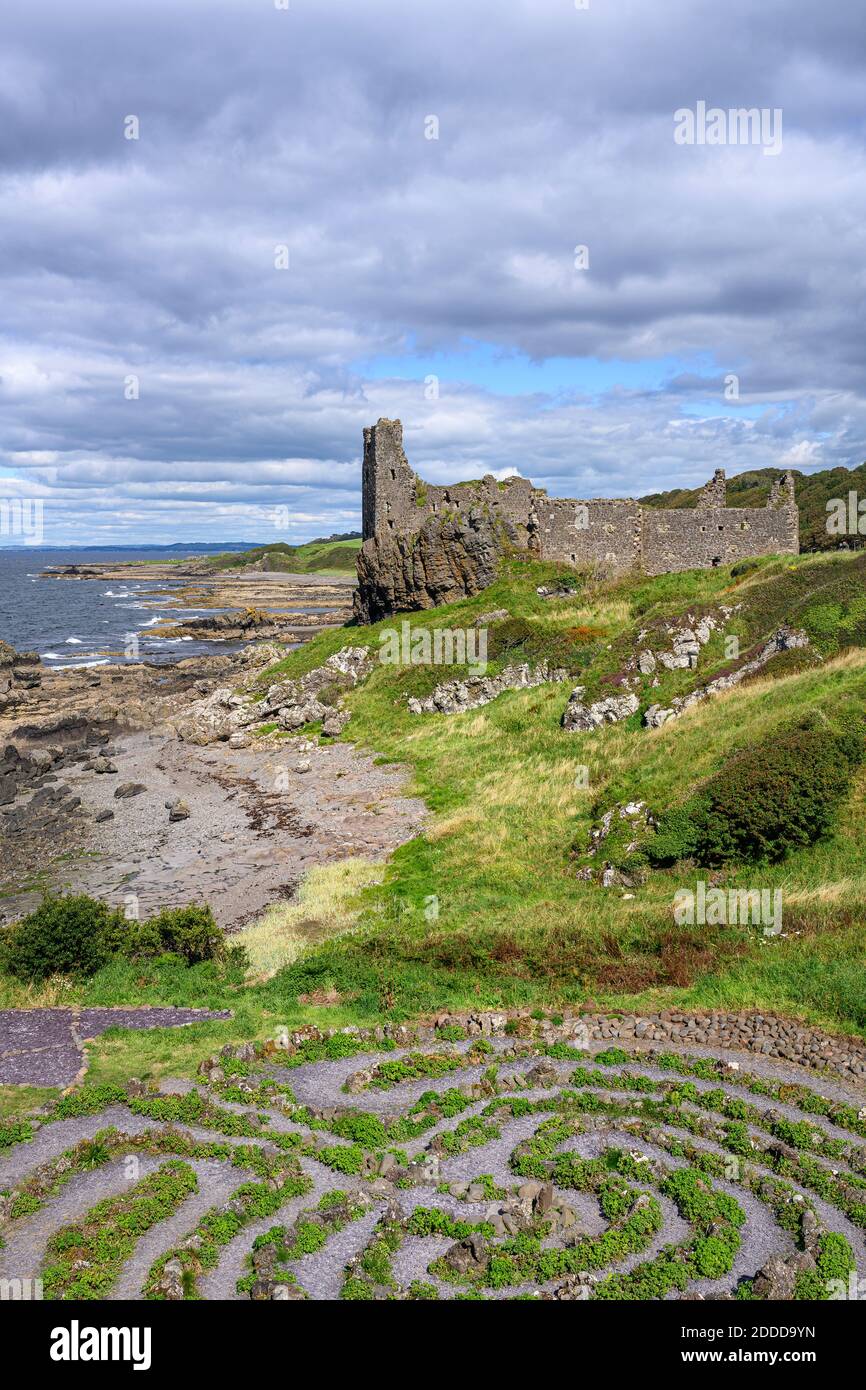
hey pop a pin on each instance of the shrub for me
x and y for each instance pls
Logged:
(78, 935)
(769, 801)
(71, 935)
(777, 797)
(678, 833)
(190, 932)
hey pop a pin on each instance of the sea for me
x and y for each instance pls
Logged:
(91, 622)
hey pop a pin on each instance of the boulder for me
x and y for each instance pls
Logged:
(218, 716)
(581, 718)
(775, 1281)
(127, 790)
(469, 1256)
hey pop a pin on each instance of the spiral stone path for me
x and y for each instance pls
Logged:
(473, 1158)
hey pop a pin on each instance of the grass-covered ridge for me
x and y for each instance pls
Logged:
(485, 908)
(331, 556)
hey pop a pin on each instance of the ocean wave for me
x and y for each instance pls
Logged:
(82, 665)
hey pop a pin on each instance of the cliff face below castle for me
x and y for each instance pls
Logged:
(443, 561)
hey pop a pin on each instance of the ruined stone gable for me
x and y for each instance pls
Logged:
(619, 534)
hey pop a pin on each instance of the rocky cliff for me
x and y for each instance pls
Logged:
(447, 559)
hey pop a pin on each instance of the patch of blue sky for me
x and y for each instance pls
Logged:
(710, 409)
(511, 372)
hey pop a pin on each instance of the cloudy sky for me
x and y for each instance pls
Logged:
(196, 324)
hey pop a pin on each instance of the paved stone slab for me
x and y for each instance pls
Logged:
(92, 1022)
(42, 1047)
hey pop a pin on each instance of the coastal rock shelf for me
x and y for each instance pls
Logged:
(471, 1157)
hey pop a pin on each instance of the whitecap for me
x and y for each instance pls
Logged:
(82, 665)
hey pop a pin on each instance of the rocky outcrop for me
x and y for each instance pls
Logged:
(20, 768)
(216, 717)
(316, 695)
(784, 640)
(19, 672)
(291, 704)
(447, 559)
(581, 718)
(453, 697)
(249, 624)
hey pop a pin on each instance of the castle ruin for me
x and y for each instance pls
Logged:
(618, 534)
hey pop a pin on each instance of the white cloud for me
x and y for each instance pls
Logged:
(260, 127)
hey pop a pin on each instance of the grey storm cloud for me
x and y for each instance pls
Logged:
(262, 127)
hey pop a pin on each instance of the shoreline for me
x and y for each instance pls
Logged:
(236, 828)
(250, 604)
(100, 794)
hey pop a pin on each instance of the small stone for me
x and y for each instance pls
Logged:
(129, 789)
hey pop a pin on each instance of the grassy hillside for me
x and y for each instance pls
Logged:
(313, 557)
(514, 922)
(486, 907)
(813, 492)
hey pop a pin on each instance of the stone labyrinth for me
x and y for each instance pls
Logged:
(484, 1159)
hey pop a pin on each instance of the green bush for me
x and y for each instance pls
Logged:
(678, 833)
(78, 935)
(190, 932)
(71, 935)
(768, 802)
(778, 797)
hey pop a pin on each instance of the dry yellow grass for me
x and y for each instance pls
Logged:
(327, 906)
(57, 992)
(841, 891)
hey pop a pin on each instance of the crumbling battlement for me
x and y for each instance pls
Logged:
(617, 534)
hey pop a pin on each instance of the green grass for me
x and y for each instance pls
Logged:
(509, 822)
